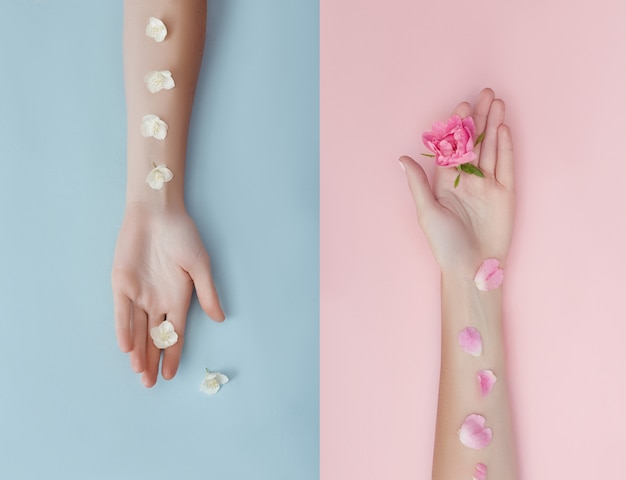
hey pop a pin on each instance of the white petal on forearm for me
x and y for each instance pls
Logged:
(158, 176)
(156, 29)
(153, 126)
(159, 80)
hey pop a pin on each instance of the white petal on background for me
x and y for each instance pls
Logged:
(212, 382)
(153, 126)
(156, 29)
(159, 80)
(210, 387)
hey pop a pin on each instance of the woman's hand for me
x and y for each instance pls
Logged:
(158, 259)
(474, 221)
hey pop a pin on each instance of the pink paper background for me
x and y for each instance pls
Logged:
(388, 69)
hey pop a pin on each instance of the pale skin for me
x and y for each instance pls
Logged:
(159, 257)
(464, 226)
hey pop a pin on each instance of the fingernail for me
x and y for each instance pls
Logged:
(402, 166)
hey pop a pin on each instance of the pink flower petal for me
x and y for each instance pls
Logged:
(480, 473)
(489, 275)
(469, 125)
(470, 341)
(452, 142)
(486, 380)
(473, 433)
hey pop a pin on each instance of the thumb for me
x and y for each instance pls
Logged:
(419, 186)
(200, 274)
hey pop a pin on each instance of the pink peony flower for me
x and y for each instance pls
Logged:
(486, 381)
(473, 433)
(480, 473)
(489, 275)
(452, 142)
(470, 341)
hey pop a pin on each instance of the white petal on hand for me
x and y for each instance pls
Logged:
(164, 335)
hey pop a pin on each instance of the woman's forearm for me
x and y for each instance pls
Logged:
(460, 396)
(181, 54)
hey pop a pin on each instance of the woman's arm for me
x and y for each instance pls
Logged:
(179, 53)
(465, 226)
(159, 256)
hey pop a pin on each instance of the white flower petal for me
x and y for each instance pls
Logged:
(156, 29)
(212, 382)
(153, 126)
(155, 180)
(168, 80)
(158, 176)
(164, 335)
(159, 80)
(210, 386)
(166, 172)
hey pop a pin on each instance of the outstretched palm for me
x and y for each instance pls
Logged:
(467, 224)
(158, 259)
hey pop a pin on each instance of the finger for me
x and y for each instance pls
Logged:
(480, 114)
(488, 151)
(200, 274)
(153, 354)
(463, 109)
(419, 186)
(140, 329)
(171, 355)
(504, 165)
(122, 312)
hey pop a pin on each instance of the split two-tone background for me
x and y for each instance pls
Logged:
(331, 295)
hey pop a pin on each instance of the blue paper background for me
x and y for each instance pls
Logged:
(71, 406)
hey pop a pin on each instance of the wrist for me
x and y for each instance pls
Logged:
(140, 165)
(169, 197)
(140, 209)
(464, 304)
(467, 267)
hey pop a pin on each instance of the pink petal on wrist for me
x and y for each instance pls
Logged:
(480, 473)
(489, 275)
(486, 381)
(473, 433)
(470, 341)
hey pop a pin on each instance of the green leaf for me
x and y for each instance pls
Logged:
(456, 180)
(472, 170)
(428, 155)
(479, 139)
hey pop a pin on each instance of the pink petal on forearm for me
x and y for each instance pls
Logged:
(489, 275)
(486, 380)
(473, 433)
(471, 341)
(480, 473)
